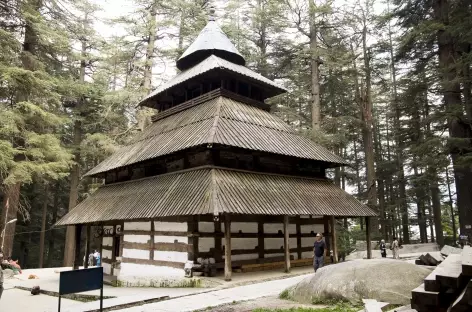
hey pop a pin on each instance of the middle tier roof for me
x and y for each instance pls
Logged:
(222, 121)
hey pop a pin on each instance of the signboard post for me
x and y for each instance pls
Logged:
(76, 281)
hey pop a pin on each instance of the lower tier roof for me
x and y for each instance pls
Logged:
(215, 191)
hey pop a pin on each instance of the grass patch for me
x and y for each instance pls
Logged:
(340, 307)
(391, 306)
(285, 295)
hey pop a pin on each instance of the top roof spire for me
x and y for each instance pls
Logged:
(211, 16)
(211, 40)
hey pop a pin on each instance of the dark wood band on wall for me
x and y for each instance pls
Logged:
(177, 265)
(157, 233)
(257, 235)
(110, 248)
(182, 247)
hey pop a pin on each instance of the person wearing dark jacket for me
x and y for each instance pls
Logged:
(383, 249)
(319, 251)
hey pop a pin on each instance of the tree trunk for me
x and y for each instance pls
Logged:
(420, 198)
(458, 129)
(11, 200)
(69, 245)
(144, 114)
(380, 181)
(467, 82)
(262, 43)
(43, 226)
(431, 228)
(451, 204)
(315, 70)
(367, 117)
(401, 200)
(52, 235)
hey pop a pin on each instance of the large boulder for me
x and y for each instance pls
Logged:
(381, 279)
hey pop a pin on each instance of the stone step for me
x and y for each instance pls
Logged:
(464, 302)
(467, 261)
(450, 276)
(449, 250)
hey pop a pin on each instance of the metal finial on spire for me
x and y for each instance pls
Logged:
(212, 11)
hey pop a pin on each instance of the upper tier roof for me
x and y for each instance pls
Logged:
(213, 62)
(211, 40)
(219, 121)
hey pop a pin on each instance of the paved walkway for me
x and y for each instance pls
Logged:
(21, 300)
(219, 297)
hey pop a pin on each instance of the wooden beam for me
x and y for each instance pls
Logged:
(227, 248)
(260, 239)
(286, 245)
(368, 239)
(151, 242)
(87, 245)
(327, 232)
(334, 238)
(218, 255)
(256, 235)
(172, 264)
(78, 232)
(193, 228)
(113, 247)
(299, 237)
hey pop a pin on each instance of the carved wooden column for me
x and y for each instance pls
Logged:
(368, 240)
(228, 269)
(77, 260)
(87, 245)
(286, 244)
(334, 239)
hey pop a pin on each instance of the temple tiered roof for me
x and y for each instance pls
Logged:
(215, 191)
(219, 121)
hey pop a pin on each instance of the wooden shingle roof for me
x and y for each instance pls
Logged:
(214, 62)
(215, 191)
(211, 41)
(219, 121)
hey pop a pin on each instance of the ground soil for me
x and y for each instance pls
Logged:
(264, 302)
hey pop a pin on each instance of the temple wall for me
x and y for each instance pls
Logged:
(154, 253)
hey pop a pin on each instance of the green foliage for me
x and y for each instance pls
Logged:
(285, 295)
(337, 307)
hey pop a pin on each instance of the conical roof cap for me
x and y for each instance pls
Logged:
(211, 40)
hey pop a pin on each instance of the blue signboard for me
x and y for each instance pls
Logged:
(76, 281)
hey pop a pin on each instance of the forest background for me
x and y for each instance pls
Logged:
(386, 84)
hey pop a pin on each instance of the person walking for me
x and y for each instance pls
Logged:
(90, 260)
(383, 249)
(319, 250)
(395, 248)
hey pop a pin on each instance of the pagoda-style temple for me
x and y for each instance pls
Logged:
(215, 175)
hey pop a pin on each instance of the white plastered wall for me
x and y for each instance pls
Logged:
(133, 274)
(107, 254)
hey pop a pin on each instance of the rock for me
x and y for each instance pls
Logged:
(449, 250)
(380, 279)
(423, 248)
(35, 290)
